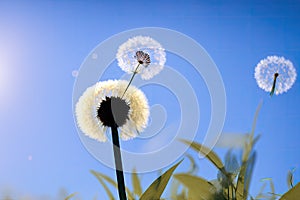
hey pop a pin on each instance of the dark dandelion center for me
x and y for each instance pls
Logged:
(113, 112)
(142, 58)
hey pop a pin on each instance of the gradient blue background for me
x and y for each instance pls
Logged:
(42, 42)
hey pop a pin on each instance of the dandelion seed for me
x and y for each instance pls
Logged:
(101, 107)
(275, 74)
(135, 54)
(75, 73)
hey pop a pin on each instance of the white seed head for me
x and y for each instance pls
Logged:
(126, 56)
(265, 70)
(89, 102)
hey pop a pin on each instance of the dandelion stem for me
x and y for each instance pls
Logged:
(131, 79)
(274, 84)
(118, 163)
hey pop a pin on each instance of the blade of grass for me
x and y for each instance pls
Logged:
(193, 167)
(290, 178)
(260, 193)
(108, 192)
(292, 194)
(156, 189)
(174, 189)
(240, 188)
(249, 172)
(255, 118)
(136, 184)
(198, 188)
(210, 155)
(111, 181)
(70, 196)
(272, 190)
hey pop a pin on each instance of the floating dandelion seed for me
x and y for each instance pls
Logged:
(101, 107)
(143, 55)
(275, 74)
(75, 73)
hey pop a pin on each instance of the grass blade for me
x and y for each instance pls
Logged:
(108, 192)
(240, 188)
(260, 194)
(249, 172)
(198, 188)
(193, 167)
(110, 181)
(70, 196)
(137, 188)
(156, 189)
(210, 155)
(292, 194)
(255, 119)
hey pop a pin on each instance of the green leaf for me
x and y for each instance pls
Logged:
(70, 196)
(210, 155)
(100, 179)
(100, 176)
(193, 168)
(199, 188)
(260, 194)
(241, 187)
(255, 119)
(290, 178)
(137, 188)
(249, 172)
(156, 189)
(174, 189)
(274, 195)
(292, 194)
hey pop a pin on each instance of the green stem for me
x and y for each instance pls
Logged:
(118, 163)
(131, 79)
(228, 193)
(273, 86)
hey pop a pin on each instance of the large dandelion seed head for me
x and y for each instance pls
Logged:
(129, 52)
(101, 107)
(273, 66)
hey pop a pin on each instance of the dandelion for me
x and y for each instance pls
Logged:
(93, 120)
(143, 55)
(275, 74)
(135, 54)
(101, 107)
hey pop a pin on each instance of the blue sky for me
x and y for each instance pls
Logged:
(42, 42)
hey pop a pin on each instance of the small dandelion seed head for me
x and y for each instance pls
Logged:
(275, 67)
(101, 107)
(141, 50)
(142, 58)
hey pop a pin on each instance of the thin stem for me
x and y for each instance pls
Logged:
(228, 193)
(274, 84)
(118, 163)
(131, 79)
(232, 195)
